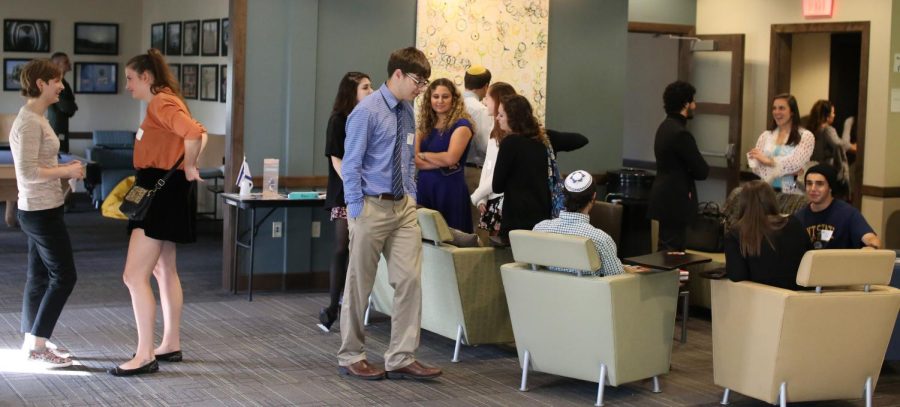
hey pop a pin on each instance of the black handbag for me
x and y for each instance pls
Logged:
(707, 232)
(137, 200)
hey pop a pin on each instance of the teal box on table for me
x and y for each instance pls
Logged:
(303, 195)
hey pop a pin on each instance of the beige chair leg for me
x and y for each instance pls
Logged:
(368, 309)
(600, 385)
(524, 385)
(656, 385)
(868, 392)
(459, 332)
(782, 395)
(727, 393)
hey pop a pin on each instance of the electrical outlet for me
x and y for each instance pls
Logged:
(316, 229)
(276, 229)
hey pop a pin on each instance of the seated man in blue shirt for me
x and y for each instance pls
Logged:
(832, 223)
(580, 193)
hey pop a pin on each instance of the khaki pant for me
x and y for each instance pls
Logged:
(390, 228)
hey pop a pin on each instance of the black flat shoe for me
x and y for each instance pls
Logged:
(326, 319)
(168, 357)
(151, 367)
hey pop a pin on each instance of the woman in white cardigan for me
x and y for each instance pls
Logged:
(490, 204)
(783, 150)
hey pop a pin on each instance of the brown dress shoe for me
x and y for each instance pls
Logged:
(414, 370)
(362, 370)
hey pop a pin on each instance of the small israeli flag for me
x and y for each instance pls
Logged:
(244, 173)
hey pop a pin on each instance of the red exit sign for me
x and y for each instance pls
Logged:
(818, 8)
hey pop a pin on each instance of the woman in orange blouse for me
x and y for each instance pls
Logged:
(167, 134)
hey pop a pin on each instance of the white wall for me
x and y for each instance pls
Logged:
(651, 65)
(117, 111)
(663, 11)
(810, 69)
(212, 114)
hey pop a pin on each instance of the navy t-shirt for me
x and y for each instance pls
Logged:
(839, 226)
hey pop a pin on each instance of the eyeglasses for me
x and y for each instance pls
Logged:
(419, 82)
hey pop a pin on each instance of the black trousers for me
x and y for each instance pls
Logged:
(339, 261)
(51, 270)
(672, 238)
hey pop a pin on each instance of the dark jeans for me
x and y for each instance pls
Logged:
(672, 238)
(51, 270)
(339, 261)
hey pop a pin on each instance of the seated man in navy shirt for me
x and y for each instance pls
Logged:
(831, 223)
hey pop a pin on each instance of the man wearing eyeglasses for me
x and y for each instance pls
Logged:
(380, 191)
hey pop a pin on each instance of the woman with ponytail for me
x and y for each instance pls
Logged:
(167, 138)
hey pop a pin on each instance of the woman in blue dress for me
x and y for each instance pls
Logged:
(442, 143)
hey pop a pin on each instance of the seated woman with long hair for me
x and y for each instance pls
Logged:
(763, 245)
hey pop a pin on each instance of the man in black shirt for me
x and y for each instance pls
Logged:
(831, 223)
(58, 114)
(673, 199)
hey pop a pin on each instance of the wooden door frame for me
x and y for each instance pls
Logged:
(780, 77)
(234, 127)
(735, 42)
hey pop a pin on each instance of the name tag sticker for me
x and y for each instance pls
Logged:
(140, 134)
(826, 235)
(410, 137)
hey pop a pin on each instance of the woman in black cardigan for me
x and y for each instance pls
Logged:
(764, 246)
(521, 171)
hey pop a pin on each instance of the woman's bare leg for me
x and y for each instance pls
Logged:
(171, 297)
(143, 254)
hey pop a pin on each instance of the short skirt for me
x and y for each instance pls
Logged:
(173, 210)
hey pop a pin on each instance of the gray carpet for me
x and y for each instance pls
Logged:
(270, 353)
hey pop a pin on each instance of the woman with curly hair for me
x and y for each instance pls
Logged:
(442, 143)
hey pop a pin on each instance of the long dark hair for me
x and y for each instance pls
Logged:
(345, 100)
(818, 115)
(520, 118)
(794, 137)
(154, 62)
(758, 217)
(497, 91)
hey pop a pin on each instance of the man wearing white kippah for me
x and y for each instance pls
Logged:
(580, 193)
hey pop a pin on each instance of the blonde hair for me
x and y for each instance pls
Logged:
(428, 119)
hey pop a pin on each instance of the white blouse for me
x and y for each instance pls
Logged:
(484, 190)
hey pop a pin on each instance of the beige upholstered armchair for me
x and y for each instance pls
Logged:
(462, 293)
(612, 330)
(779, 345)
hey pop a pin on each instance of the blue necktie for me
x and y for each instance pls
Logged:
(397, 173)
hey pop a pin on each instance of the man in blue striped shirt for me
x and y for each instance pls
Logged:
(380, 190)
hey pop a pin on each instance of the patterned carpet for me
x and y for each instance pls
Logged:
(270, 353)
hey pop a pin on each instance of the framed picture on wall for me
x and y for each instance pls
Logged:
(226, 36)
(189, 80)
(175, 69)
(209, 82)
(12, 68)
(191, 42)
(173, 38)
(26, 35)
(96, 77)
(97, 38)
(158, 37)
(223, 82)
(210, 38)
